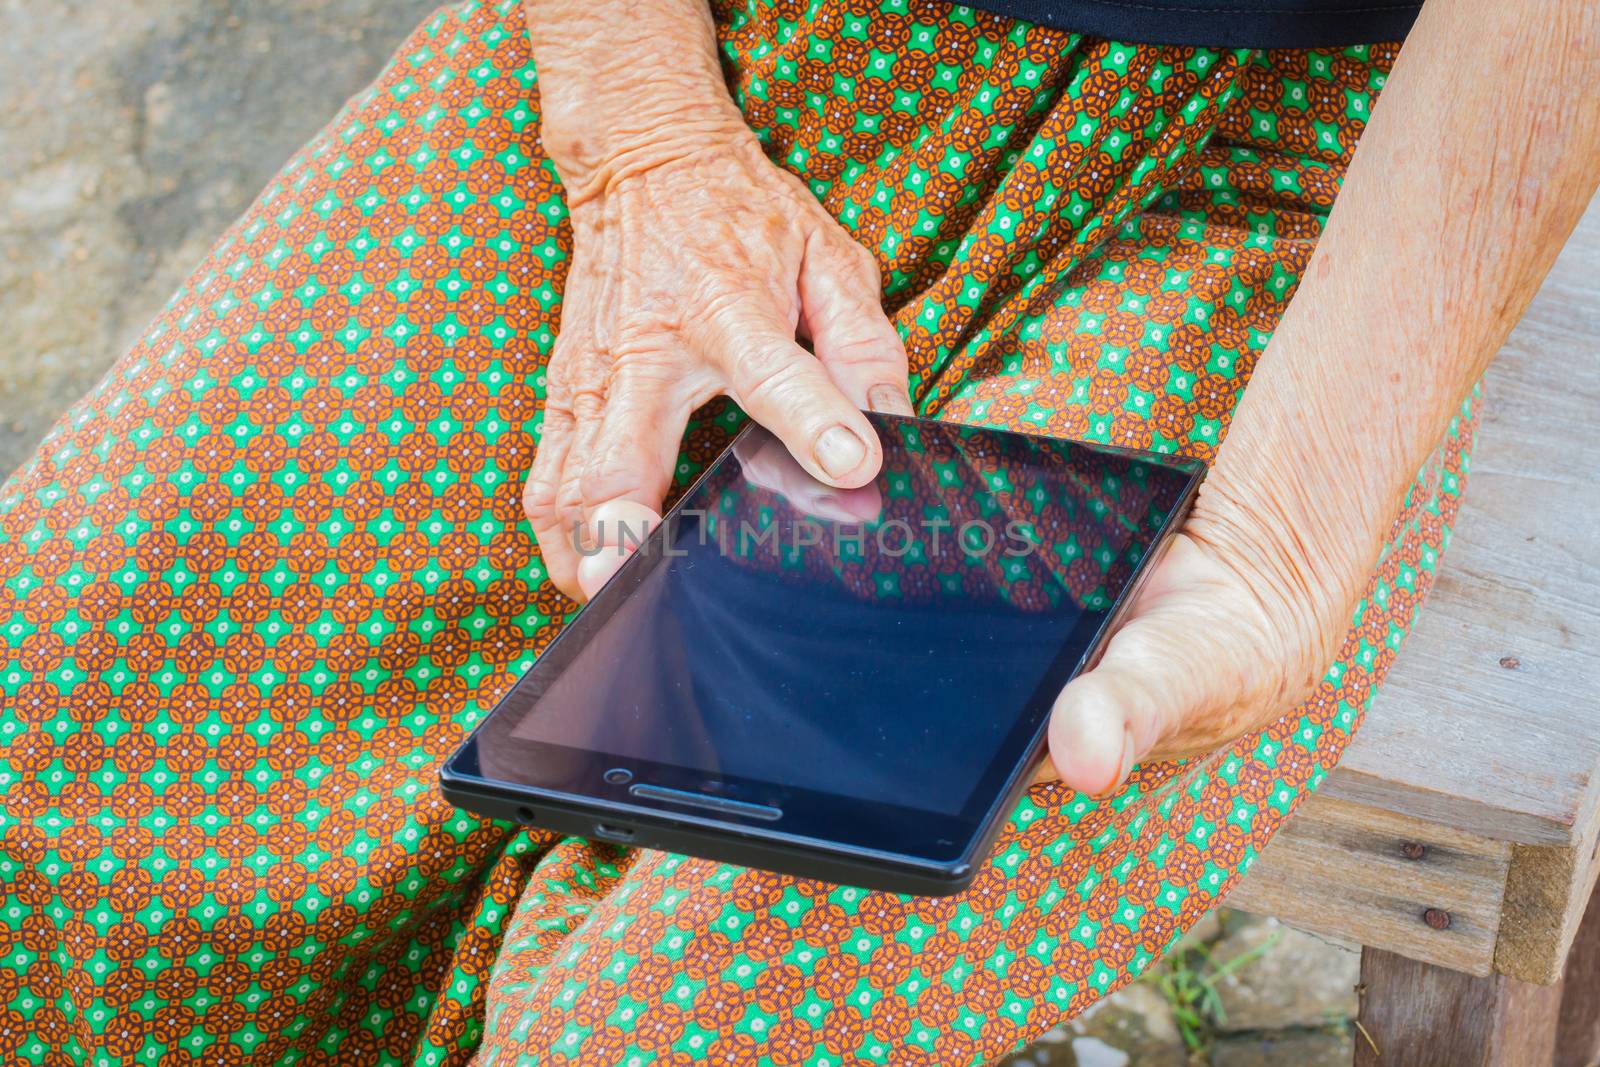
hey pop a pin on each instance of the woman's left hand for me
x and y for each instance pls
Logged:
(1419, 275)
(1235, 626)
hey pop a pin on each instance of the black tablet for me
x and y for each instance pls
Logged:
(850, 685)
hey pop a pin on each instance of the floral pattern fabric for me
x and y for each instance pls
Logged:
(257, 585)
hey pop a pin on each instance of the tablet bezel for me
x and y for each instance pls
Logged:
(820, 834)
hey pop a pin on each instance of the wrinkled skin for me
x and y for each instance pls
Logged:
(1210, 641)
(694, 278)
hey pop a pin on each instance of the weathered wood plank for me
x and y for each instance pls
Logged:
(1547, 894)
(1398, 883)
(1418, 1015)
(1488, 720)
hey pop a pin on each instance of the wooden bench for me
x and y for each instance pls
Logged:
(1457, 840)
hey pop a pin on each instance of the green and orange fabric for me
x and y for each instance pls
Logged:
(260, 582)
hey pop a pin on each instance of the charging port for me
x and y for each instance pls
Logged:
(607, 832)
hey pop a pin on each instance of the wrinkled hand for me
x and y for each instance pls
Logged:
(1234, 627)
(693, 277)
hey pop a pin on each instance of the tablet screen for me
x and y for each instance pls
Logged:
(890, 646)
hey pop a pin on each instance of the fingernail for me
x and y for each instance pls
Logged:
(1128, 755)
(839, 451)
(890, 398)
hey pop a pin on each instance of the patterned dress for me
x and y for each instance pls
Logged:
(258, 584)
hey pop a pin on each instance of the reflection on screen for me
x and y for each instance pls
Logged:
(879, 643)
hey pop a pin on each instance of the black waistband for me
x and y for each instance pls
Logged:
(1221, 23)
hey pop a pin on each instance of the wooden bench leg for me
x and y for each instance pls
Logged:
(1578, 1036)
(1418, 1015)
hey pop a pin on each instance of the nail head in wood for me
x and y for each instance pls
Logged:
(1413, 850)
(1510, 663)
(1437, 918)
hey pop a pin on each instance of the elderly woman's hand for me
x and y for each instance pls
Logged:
(697, 263)
(1235, 625)
(1418, 277)
(691, 277)
(698, 267)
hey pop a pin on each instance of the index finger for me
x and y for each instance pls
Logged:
(784, 388)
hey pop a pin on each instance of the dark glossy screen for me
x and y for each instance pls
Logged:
(895, 645)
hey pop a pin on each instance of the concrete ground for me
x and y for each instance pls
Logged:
(131, 134)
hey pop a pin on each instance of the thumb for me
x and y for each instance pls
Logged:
(1171, 673)
(627, 471)
(620, 527)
